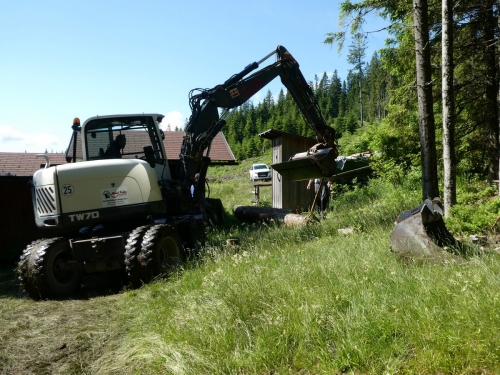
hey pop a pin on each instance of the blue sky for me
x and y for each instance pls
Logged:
(66, 59)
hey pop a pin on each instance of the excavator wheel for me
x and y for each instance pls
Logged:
(160, 252)
(132, 250)
(215, 213)
(192, 234)
(47, 270)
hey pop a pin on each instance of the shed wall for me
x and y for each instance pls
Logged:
(17, 223)
(290, 194)
(277, 183)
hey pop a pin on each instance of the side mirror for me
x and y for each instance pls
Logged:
(150, 155)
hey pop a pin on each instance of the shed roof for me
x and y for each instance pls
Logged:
(273, 134)
(219, 151)
(26, 164)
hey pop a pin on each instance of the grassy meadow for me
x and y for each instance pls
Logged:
(284, 301)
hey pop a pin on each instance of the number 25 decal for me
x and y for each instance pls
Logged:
(67, 189)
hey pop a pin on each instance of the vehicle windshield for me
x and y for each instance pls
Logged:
(122, 137)
(260, 166)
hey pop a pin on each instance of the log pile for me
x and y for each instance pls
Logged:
(295, 220)
(251, 214)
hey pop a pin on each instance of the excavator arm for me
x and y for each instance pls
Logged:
(205, 121)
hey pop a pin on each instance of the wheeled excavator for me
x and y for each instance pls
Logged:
(126, 206)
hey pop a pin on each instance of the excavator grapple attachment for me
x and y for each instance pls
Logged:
(421, 235)
(319, 163)
(314, 163)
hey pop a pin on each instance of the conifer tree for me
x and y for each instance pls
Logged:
(356, 57)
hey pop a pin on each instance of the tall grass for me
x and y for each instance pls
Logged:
(233, 185)
(313, 301)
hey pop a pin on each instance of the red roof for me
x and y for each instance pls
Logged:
(220, 150)
(25, 164)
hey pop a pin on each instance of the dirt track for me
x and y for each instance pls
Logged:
(57, 337)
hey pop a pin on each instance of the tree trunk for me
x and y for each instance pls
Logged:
(256, 214)
(498, 100)
(491, 89)
(450, 178)
(252, 214)
(360, 98)
(430, 187)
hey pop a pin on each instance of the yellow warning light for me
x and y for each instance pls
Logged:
(76, 120)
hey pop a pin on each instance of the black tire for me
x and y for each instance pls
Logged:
(46, 269)
(24, 268)
(198, 235)
(215, 213)
(132, 251)
(160, 252)
(192, 234)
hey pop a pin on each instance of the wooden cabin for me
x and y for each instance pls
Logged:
(292, 195)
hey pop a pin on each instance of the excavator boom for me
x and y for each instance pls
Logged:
(205, 121)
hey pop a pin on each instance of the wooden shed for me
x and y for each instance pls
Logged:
(289, 194)
(17, 224)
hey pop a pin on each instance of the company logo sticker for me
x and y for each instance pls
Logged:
(114, 197)
(234, 93)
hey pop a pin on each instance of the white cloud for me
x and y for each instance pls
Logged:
(174, 119)
(12, 140)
